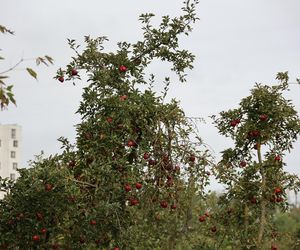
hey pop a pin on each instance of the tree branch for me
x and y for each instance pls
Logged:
(13, 67)
(263, 202)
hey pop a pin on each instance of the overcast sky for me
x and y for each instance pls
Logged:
(236, 43)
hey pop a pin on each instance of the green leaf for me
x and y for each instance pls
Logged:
(49, 59)
(44, 60)
(32, 72)
(11, 98)
(9, 88)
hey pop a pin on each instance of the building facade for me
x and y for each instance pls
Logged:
(10, 151)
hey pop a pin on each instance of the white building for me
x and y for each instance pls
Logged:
(10, 151)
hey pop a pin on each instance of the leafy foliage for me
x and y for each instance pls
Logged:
(264, 126)
(136, 175)
(6, 93)
(132, 177)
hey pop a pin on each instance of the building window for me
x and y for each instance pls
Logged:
(13, 133)
(12, 177)
(15, 143)
(15, 165)
(12, 154)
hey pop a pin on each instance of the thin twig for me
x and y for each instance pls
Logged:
(83, 183)
(13, 67)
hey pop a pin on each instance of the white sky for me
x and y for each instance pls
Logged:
(236, 43)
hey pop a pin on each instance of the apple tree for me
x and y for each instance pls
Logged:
(263, 128)
(137, 171)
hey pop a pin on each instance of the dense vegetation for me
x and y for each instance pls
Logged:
(136, 175)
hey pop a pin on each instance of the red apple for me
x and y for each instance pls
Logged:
(146, 156)
(243, 164)
(253, 200)
(93, 222)
(123, 97)
(173, 206)
(74, 72)
(235, 122)
(39, 216)
(87, 136)
(274, 247)
(61, 79)
(277, 158)
(263, 117)
(192, 158)
(122, 68)
(72, 164)
(277, 190)
(109, 119)
(163, 204)
(202, 218)
(134, 202)
(152, 162)
(138, 185)
(165, 158)
(170, 182)
(279, 199)
(168, 166)
(43, 230)
(127, 188)
(55, 246)
(116, 248)
(48, 187)
(254, 133)
(71, 198)
(36, 238)
(131, 143)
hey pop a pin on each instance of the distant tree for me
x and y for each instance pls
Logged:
(288, 226)
(263, 127)
(6, 93)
